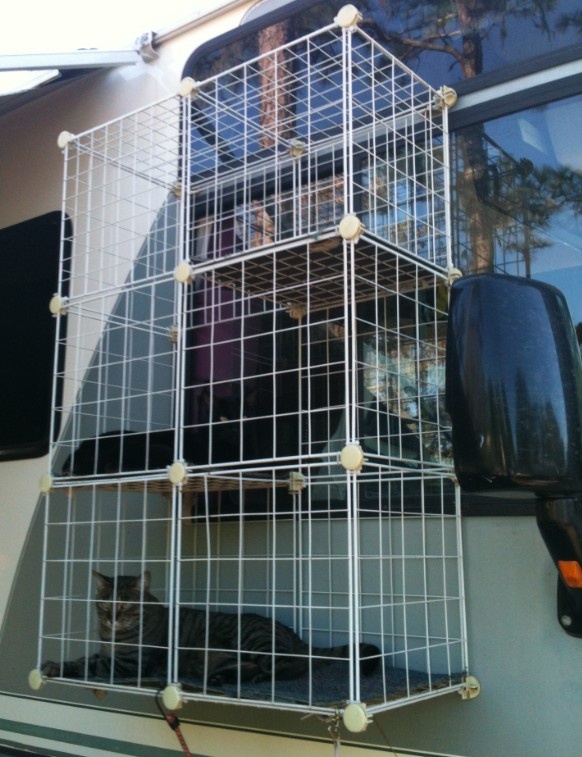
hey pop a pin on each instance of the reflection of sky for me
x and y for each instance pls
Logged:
(569, 282)
(515, 45)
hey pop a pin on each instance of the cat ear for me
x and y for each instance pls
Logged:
(101, 581)
(145, 580)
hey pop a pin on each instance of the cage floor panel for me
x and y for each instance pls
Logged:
(326, 687)
(195, 484)
(329, 688)
(309, 276)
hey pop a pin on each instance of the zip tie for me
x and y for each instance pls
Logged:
(333, 728)
(334, 734)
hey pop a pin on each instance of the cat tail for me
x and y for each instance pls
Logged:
(369, 655)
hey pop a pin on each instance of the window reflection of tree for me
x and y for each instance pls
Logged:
(504, 197)
(458, 30)
(520, 207)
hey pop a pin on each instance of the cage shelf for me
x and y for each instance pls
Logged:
(309, 274)
(200, 482)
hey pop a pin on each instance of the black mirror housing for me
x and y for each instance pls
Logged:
(514, 388)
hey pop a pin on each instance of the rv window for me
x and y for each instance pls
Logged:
(440, 43)
(29, 258)
(520, 212)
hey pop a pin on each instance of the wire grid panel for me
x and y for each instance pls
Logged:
(117, 178)
(241, 576)
(284, 145)
(108, 512)
(118, 330)
(276, 340)
(302, 343)
(113, 532)
(207, 416)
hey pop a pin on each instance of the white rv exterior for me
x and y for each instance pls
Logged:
(527, 668)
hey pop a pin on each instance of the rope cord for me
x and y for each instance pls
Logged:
(174, 723)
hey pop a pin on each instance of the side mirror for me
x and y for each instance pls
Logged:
(514, 388)
(560, 524)
(514, 394)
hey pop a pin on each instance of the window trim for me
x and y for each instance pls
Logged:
(528, 67)
(493, 107)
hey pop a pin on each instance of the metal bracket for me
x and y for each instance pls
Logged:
(145, 45)
(356, 718)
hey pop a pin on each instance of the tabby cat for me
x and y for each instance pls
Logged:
(133, 627)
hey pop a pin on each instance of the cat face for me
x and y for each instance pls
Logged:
(120, 603)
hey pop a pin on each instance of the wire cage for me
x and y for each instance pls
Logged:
(250, 369)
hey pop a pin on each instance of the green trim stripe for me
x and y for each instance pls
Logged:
(60, 737)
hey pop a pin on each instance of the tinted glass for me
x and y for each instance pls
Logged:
(518, 181)
(443, 42)
(29, 260)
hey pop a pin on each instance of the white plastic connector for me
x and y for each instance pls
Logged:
(454, 274)
(352, 458)
(296, 482)
(172, 697)
(351, 228)
(45, 483)
(184, 273)
(471, 688)
(348, 16)
(58, 305)
(36, 680)
(187, 87)
(296, 148)
(177, 472)
(445, 97)
(64, 138)
(356, 718)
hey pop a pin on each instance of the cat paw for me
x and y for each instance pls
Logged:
(50, 669)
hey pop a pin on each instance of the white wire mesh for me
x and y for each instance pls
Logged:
(286, 167)
(206, 419)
